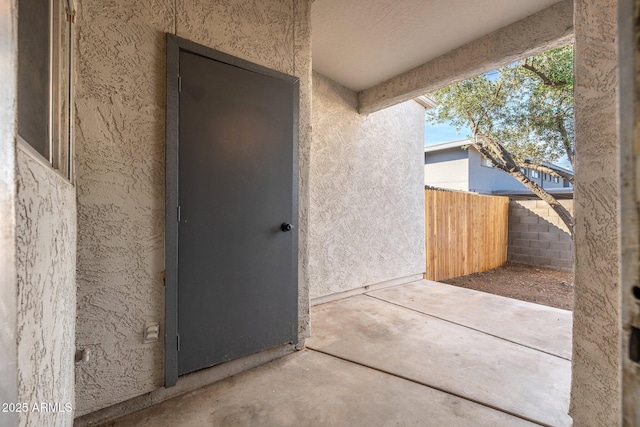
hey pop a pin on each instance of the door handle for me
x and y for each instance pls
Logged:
(286, 227)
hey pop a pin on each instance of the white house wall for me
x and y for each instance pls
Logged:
(367, 194)
(46, 249)
(462, 169)
(447, 169)
(483, 179)
(120, 107)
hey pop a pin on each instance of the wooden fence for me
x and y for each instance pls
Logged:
(465, 233)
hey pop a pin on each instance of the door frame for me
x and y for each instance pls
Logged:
(174, 46)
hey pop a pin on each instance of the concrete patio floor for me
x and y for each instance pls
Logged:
(423, 354)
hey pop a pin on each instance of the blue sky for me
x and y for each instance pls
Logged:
(444, 132)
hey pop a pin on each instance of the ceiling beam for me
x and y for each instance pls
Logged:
(549, 28)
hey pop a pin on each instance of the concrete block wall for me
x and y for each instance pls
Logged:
(537, 235)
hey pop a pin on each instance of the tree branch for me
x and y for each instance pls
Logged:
(546, 169)
(546, 80)
(500, 152)
(562, 212)
(507, 164)
(565, 139)
(486, 153)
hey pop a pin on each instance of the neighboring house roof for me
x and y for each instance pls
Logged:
(462, 142)
(446, 145)
(426, 102)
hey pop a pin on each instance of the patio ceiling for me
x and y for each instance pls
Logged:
(360, 43)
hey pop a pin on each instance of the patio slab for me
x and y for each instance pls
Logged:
(452, 358)
(312, 389)
(537, 326)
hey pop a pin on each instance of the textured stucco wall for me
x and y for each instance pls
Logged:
(46, 249)
(629, 135)
(367, 196)
(595, 395)
(120, 174)
(120, 95)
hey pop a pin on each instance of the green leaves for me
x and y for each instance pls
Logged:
(528, 108)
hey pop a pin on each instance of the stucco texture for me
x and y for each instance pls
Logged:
(120, 96)
(46, 249)
(367, 192)
(595, 396)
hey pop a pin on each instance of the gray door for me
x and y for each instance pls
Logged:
(237, 157)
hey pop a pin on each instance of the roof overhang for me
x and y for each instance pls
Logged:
(393, 51)
(447, 145)
(426, 102)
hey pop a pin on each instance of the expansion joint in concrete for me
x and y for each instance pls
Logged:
(468, 327)
(424, 384)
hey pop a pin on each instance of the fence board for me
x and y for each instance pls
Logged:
(465, 233)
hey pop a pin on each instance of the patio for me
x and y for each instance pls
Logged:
(423, 353)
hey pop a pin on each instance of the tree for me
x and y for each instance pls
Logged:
(519, 119)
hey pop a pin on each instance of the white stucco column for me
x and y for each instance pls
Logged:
(595, 394)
